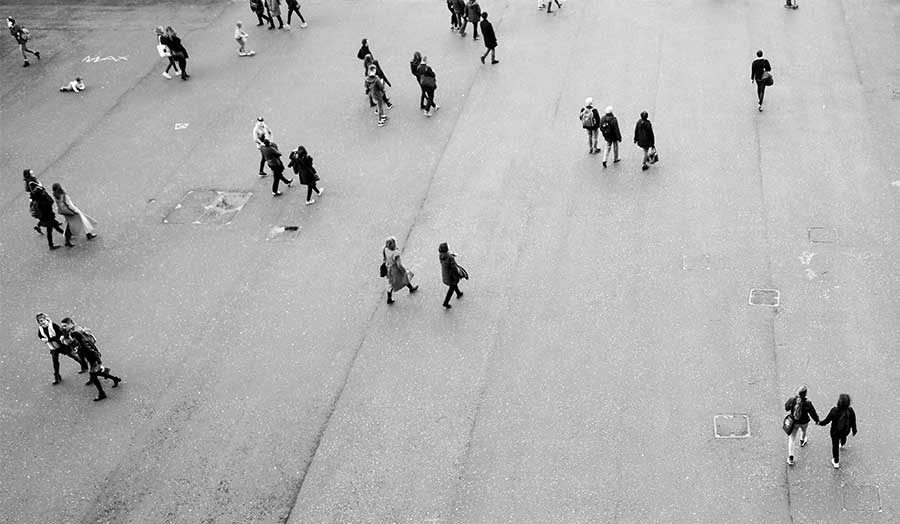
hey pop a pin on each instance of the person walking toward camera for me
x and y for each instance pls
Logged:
(261, 131)
(397, 276)
(179, 53)
(83, 340)
(759, 73)
(450, 273)
(590, 121)
(643, 137)
(377, 94)
(490, 39)
(274, 8)
(473, 15)
(801, 410)
(609, 128)
(843, 420)
(50, 333)
(164, 51)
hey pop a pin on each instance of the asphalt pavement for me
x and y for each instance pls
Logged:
(605, 364)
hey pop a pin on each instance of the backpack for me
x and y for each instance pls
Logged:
(587, 118)
(605, 128)
(797, 412)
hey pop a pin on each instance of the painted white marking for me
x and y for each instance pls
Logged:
(810, 274)
(181, 125)
(806, 258)
(109, 58)
(896, 183)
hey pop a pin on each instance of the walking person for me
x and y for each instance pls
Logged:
(454, 19)
(450, 273)
(259, 9)
(50, 333)
(377, 95)
(490, 39)
(261, 131)
(370, 61)
(77, 223)
(274, 8)
(428, 80)
(550, 4)
(609, 128)
(473, 15)
(45, 215)
(363, 53)
(843, 420)
(397, 276)
(272, 155)
(164, 51)
(643, 137)
(759, 73)
(294, 7)
(22, 36)
(86, 344)
(241, 37)
(414, 69)
(459, 9)
(302, 164)
(801, 410)
(791, 4)
(32, 183)
(590, 121)
(179, 53)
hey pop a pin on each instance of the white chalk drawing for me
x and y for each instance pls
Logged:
(94, 59)
(806, 258)
(181, 125)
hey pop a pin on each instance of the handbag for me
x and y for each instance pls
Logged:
(788, 424)
(163, 50)
(766, 79)
(383, 270)
(461, 271)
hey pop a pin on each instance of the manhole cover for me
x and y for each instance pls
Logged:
(283, 233)
(865, 497)
(765, 297)
(208, 206)
(694, 262)
(734, 425)
(822, 235)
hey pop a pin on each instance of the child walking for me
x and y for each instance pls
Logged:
(241, 36)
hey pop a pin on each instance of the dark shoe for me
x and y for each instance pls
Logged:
(290, 182)
(262, 173)
(604, 164)
(56, 380)
(446, 305)
(100, 397)
(645, 167)
(390, 301)
(116, 381)
(38, 229)
(91, 236)
(26, 64)
(459, 295)
(83, 370)
(475, 37)
(616, 161)
(482, 60)
(276, 193)
(259, 24)
(413, 289)
(495, 62)
(53, 247)
(69, 244)
(89, 383)
(37, 54)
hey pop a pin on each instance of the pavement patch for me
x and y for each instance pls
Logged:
(765, 297)
(208, 206)
(732, 425)
(821, 235)
(181, 125)
(283, 233)
(862, 497)
(695, 262)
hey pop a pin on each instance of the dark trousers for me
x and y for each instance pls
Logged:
(836, 442)
(272, 23)
(278, 176)
(429, 97)
(760, 91)
(67, 351)
(50, 232)
(452, 289)
(171, 65)
(474, 28)
(262, 164)
(96, 382)
(261, 15)
(422, 97)
(491, 51)
(295, 9)
(550, 3)
(182, 64)
(454, 20)
(309, 190)
(68, 235)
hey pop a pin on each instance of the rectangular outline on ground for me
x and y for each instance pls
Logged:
(777, 297)
(705, 264)
(731, 415)
(832, 240)
(861, 487)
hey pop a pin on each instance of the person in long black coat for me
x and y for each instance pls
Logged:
(643, 137)
(81, 339)
(843, 421)
(490, 39)
(302, 164)
(179, 53)
(45, 215)
(757, 68)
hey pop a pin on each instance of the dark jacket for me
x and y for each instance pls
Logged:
(18, 33)
(487, 34)
(459, 7)
(643, 134)
(302, 165)
(612, 133)
(807, 409)
(375, 88)
(473, 11)
(77, 339)
(449, 273)
(175, 46)
(757, 67)
(425, 71)
(363, 51)
(271, 154)
(46, 216)
(380, 73)
(842, 421)
(596, 116)
(414, 68)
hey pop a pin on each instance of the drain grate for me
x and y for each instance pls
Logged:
(765, 297)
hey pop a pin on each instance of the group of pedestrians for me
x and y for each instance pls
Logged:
(169, 46)
(462, 14)
(270, 10)
(608, 126)
(801, 410)
(77, 343)
(300, 162)
(398, 277)
(41, 207)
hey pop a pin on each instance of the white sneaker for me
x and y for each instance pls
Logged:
(320, 191)
(790, 461)
(303, 24)
(310, 202)
(167, 75)
(835, 464)
(287, 26)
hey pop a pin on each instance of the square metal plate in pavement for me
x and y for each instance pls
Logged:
(765, 297)
(821, 235)
(208, 206)
(864, 497)
(735, 425)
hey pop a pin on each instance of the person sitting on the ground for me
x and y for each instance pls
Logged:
(76, 85)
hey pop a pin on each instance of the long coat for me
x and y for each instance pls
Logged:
(78, 223)
(473, 11)
(274, 7)
(449, 271)
(398, 276)
(302, 164)
(487, 34)
(643, 134)
(46, 217)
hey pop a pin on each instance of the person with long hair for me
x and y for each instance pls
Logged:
(162, 39)
(414, 69)
(843, 421)
(77, 223)
(398, 276)
(801, 410)
(302, 164)
(428, 81)
(179, 53)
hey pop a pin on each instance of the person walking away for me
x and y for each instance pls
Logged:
(490, 39)
(843, 420)
(429, 83)
(609, 128)
(376, 90)
(363, 53)
(398, 276)
(77, 223)
(757, 68)
(459, 9)
(590, 121)
(261, 131)
(370, 61)
(272, 155)
(179, 53)
(302, 164)
(46, 216)
(22, 36)
(454, 20)
(294, 7)
(414, 69)
(801, 410)
(449, 273)
(473, 15)
(50, 333)
(163, 46)
(31, 183)
(241, 36)
(274, 8)
(86, 344)
(643, 137)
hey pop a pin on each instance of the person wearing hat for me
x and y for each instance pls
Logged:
(261, 131)
(49, 333)
(801, 410)
(590, 121)
(609, 128)
(22, 37)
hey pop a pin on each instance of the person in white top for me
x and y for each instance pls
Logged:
(76, 86)
(261, 130)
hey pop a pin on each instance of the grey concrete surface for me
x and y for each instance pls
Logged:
(607, 320)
